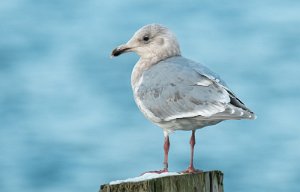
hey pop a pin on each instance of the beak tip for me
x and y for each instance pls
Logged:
(115, 52)
(119, 50)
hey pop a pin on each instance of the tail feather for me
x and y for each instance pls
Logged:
(233, 112)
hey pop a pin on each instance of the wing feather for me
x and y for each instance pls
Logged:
(171, 90)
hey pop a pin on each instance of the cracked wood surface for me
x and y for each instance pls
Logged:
(211, 181)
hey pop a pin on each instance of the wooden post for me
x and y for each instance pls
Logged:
(211, 181)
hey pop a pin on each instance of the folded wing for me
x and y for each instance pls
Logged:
(179, 88)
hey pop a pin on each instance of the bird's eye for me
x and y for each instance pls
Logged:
(146, 38)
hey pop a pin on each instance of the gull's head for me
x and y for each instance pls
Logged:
(151, 41)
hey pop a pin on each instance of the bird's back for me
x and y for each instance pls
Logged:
(178, 93)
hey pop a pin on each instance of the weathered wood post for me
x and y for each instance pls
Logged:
(211, 181)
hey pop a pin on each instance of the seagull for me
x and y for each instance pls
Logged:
(174, 92)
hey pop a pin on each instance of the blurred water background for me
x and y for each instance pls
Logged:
(68, 121)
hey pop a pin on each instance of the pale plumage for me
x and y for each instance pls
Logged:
(176, 93)
(191, 91)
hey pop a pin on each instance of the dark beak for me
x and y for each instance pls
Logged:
(119, 50)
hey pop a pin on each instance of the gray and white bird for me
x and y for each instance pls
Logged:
(174, 92)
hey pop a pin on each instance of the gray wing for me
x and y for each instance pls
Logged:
(180, 88)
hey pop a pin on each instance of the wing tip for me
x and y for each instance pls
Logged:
(252, 116)
(238, 113)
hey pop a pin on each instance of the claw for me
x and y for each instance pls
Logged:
(192, 170)
(158, 172)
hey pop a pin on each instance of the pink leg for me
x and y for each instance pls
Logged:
(166, 152)
(191, 168)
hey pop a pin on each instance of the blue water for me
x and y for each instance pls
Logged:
(68, 121)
